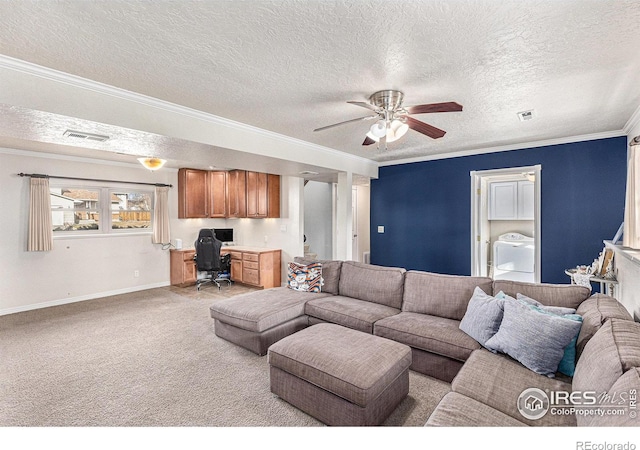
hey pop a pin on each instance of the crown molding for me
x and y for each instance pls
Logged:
(505, 148)
(10, 63)
(633, 123)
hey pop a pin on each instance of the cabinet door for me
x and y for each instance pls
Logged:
(236, 270)
(526, 201)
(193, 193)
(236, 194)
(503, 200)
(257, 195)
(218, 183)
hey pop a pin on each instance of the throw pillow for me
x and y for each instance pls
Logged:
(534, 338)
(306, 278)
(484, 315)
(552, 309)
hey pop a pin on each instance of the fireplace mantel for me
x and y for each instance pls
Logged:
(627, 268)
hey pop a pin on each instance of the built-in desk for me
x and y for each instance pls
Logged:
(255, 266)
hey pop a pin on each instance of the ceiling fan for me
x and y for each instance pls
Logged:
(394, 120)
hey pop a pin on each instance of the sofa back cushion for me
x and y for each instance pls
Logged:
(565, 295)
(330, 272)
(383, 285)
(595, 311)
(614, 349)
(441, 295)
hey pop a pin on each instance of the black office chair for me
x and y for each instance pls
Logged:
(208, 258)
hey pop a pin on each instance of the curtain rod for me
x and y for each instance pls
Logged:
(635, 140)
(39, 175)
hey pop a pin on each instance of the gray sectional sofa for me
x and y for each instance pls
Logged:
(424, 310)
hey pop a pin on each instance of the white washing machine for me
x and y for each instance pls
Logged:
(514, 258)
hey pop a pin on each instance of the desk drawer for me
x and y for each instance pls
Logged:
(236, 255)
(250, 257)
(188, 256)
(250, 265)
(250, 276)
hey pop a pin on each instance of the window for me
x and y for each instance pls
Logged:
(130, 210)
(100, 210)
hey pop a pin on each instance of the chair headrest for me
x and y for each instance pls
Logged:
(205, 232)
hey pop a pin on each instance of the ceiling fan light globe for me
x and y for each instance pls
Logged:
(370, 135)
(152, 163)
(397, 129)
(379, 129)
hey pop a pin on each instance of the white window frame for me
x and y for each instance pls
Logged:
(105, 221)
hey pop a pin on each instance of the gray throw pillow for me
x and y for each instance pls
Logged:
(483, 316)
(561, 310)
(534, 338)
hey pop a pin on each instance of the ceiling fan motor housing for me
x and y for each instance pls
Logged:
(389, 99)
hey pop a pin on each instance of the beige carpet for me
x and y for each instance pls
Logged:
(149, 358)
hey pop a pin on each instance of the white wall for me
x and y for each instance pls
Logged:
(364, 220)
(318, 226)
(91, 267)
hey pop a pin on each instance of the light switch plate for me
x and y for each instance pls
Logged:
(380, 228)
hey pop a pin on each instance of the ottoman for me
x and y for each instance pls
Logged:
(340, 376)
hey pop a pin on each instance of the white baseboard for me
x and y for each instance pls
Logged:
(80, 298)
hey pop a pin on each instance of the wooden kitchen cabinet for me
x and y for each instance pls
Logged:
(183, 267)
(236, 194)
(218, 193)
(263, 195)
(254, 266)
(193, 193)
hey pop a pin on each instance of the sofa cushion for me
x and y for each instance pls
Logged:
(353, 365)
(497, 381)
(595, 311)
(457, 410)
(348, 312)
(383, 285)
(613, 350)
(304, 277)
(430, 333)
(533, 337)
(260, 310)
(484, 315)
(441, 295)
(330, 272)
(567, 295)
(625, 387)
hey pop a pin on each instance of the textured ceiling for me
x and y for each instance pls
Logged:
(289, 66)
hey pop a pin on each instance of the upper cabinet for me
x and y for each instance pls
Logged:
(263, 195)
(193, 193)
(511, 200)
(227, 194)
(237, 193)
(218, 193)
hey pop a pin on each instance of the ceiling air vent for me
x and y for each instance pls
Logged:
(525, 115)
(86, 136)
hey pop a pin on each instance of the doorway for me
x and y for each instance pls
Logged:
(318, 213)
(504, 202)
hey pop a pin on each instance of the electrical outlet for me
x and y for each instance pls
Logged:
(136, 273)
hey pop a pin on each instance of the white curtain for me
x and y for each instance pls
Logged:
(40, 228)
(631, 237)
(161, 216)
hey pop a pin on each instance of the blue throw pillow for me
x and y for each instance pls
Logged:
(535, 338)
(484, 315)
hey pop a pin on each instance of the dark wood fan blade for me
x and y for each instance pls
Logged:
(347, 121)
(368, 141)
(364, 105)
(434, 107)
(425, 128)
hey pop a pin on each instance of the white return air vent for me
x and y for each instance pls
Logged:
(85, 136)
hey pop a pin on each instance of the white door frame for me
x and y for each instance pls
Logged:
(476, 199)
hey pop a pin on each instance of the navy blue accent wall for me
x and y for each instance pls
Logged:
(425, 207)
